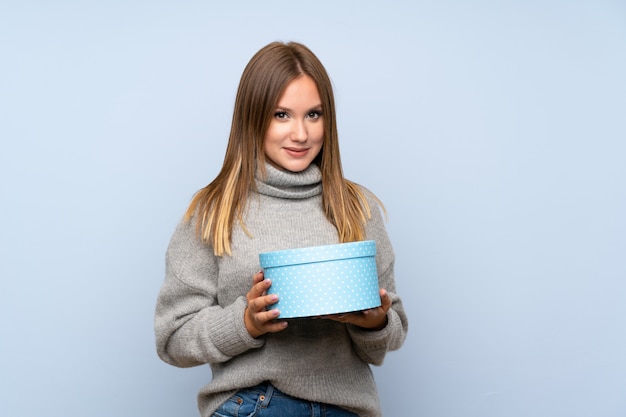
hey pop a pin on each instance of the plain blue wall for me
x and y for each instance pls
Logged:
(493, 131)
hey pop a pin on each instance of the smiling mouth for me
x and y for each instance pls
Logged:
(296, 151)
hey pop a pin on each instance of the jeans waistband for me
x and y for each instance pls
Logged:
(267, 390)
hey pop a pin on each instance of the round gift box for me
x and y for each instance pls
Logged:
(319, 280)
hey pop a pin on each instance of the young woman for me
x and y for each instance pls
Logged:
(281, 186)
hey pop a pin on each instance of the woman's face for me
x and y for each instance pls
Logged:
(296, 133)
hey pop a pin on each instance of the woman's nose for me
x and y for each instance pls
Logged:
(299, 133)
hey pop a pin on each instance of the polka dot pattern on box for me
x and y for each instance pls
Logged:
(322, 280)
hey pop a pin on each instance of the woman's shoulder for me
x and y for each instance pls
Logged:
(186, 234)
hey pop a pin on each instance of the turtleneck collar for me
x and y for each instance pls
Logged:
(290, 185)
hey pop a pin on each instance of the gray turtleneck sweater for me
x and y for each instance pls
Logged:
(200, 308)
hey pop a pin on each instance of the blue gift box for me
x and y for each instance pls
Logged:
(321, 280)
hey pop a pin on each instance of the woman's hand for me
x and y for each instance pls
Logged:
(257, 318)
(372, 319)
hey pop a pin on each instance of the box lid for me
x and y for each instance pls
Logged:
(318, 254)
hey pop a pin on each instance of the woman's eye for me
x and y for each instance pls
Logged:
(314, 114)
(280, 115)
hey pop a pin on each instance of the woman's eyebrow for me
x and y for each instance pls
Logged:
(288, 110)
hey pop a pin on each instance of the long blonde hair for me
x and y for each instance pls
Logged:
(262, 83)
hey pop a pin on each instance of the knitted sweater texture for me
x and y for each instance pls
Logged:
(200, 308)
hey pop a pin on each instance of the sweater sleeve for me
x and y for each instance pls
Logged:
(372, 346)
(191, 328)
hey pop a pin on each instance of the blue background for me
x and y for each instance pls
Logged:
(494, 131)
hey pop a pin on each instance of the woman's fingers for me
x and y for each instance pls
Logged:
(385, 300)
(259, 287)
(258, 277)
(257, 317)
(373, 318)
(261, 303)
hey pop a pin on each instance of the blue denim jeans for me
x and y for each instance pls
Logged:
(265, 400)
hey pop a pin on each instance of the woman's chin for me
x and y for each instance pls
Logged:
(292, 166)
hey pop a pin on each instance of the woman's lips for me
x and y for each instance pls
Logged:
(295, 152)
